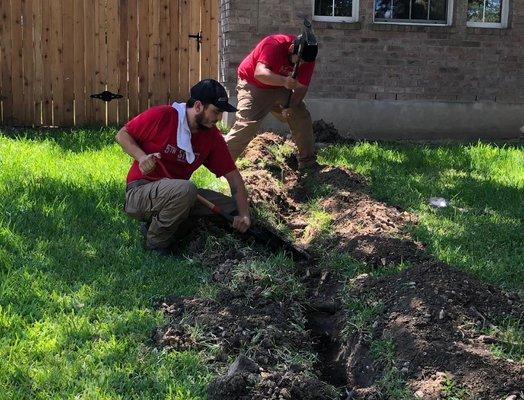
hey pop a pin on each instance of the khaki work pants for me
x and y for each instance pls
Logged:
(254, 104)
(167, 204)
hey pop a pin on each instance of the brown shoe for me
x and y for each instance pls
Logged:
(309, 167)
(161, 251)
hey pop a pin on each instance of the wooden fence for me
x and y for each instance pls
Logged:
(54, 54)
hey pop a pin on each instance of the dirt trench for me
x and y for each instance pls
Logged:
(277, 329)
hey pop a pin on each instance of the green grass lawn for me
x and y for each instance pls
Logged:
(77, 290)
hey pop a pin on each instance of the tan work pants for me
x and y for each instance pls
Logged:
(169, 202)
(254, 104)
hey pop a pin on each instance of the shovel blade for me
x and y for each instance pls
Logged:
(268, 238)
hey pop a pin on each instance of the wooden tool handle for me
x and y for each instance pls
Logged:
(214, 208)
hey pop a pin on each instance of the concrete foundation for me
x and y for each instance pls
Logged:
(413, 120)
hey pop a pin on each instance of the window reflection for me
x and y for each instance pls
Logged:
(334, 8)
(343, 8)
(437, 10)
(493, 11)
(411, 10)
(383, 9)
(323, 7)
(485, 11)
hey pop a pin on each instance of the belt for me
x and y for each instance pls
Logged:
(136, 184)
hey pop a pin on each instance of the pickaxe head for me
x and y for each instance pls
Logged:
(305, 44)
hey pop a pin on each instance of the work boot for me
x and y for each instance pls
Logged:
(144, 227)
(308, 168)
(160, 251)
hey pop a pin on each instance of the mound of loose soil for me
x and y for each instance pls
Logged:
(325, 132)
(434, 314)
(369, 230)
(285, 331)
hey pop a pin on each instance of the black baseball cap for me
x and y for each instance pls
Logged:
(209, 91)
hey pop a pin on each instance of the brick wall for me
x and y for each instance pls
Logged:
(371, 61)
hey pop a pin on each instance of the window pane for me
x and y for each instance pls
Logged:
(493, 11)
(324, 7)
(475, 8)
(343, 8)
(437, 10)
(413, 10)
(419, 9)
(401, 9)
(382, 8)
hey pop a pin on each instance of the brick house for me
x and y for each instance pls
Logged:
(398, 69)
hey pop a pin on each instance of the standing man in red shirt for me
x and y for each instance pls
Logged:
(264, 81)
(168, 143)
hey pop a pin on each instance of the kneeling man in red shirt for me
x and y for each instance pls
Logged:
(168, 143)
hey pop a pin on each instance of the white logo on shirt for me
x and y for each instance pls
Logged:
(180, 154)
(170, 149)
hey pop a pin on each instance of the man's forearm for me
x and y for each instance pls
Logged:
(270, 78)
(129, 144)
(240, 196)
(238, 192)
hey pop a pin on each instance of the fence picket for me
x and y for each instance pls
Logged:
(91, 41)
(17, 62)
(183, 19)
(79, 72)
(57, 63)
(143, 48)
(100, 83)
(215, 34)
(6, 55)
(206, 39)
(28, 62)
(113, 38)
(39, 62)
(164, 39)
(68, 60)
(154, 52)
(132, 17)
(47, 79)
(122, 61)
(174, 84)
(194, 53)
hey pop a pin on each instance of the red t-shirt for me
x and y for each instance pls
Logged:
(155, 131)
(273, 51)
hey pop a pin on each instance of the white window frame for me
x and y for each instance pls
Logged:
(332, 18)
(449, 18)
(500, 25)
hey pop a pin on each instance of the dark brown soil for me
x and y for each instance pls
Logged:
(325, 132)
(284, 328)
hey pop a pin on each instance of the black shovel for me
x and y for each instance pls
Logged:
(262, 235)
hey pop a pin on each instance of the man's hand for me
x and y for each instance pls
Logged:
(291, 83)
(242, 223)
(287, 113)
(238, 191)
(147, 162)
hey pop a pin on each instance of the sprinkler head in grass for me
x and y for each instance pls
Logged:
(438, 202)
